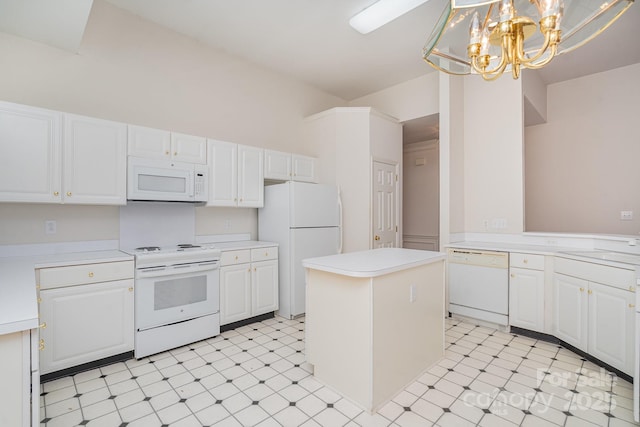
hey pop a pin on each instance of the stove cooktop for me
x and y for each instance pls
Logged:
(150, 256)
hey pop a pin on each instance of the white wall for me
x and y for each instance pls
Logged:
(582, 165)
(493, 155)
(134, 71)
(421, 207)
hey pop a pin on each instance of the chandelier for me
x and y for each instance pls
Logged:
(491, 37)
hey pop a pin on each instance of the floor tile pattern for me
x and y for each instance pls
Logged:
(256, 375)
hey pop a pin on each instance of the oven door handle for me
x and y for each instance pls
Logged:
(174, 270)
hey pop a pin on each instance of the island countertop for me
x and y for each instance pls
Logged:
(374, 262)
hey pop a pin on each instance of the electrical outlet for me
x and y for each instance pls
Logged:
(412, 293)
(626, 215)
(50, 227)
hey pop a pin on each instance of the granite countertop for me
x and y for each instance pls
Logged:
(374, 262)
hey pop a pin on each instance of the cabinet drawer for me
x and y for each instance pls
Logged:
(533, 262)
(235, 257)
(56, 277)
(262, 254)
(612, 276)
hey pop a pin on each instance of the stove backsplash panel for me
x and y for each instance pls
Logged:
(156, 224)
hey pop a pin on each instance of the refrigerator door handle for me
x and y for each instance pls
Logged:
(339, 220)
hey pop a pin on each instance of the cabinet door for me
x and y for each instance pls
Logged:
(30, 149)
(235, 293)
(223, 165)
(264, 286)
(148, 142)
(15, 371)
(570, 309)
(250, 177)
(85, 323)
(611, 326)
(304, 168)
(277, 165)
(95, 161)
(188, 148)
(526, 299)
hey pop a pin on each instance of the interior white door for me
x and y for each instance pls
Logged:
(385, 203)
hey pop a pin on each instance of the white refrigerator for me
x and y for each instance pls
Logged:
(304, 219)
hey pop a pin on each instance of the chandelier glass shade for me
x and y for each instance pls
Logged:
(497, 36)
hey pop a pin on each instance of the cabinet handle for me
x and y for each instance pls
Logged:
(56, 193)
(581, 289)
(41, 346)
(69, 193)
(91, 274)
(42, 325)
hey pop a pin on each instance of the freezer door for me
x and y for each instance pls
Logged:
(308, 243)
(313, 205)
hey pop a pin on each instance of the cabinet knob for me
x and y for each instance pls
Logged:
(131, 289)
(581, 289)
(249, 269)
(175, 153)
(255, 269)
(91, 274)
(236, 257)
(266, 254)
(41, 346)
(56, 193)
(39, 300)
(632, 305)
(589, 291)
(42, 325)
(166, 153)
(632, 288)
(526, 261)
(513, 275)
(69, 193)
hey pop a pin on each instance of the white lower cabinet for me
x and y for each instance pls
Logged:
(597, 318)
(85, 322)
(20, 375)
(526, 291)
(248, 283)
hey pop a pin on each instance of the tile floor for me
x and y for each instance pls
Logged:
(257, 375)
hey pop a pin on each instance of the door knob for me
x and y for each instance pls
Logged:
(376, 238)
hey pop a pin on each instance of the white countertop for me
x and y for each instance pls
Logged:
(242, 244)
(373, 263)
(18, 299)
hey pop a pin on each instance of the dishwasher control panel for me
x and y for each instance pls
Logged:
(479, 258)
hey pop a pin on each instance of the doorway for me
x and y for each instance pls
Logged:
(421, 184)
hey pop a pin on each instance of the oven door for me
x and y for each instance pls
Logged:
(166, 295)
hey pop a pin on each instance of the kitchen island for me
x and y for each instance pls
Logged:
(374, 320)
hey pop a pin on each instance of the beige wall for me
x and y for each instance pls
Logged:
(134, 71)
(582, 165)
(421, 189)
(493, 155)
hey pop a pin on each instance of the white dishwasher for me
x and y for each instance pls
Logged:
(479, 284)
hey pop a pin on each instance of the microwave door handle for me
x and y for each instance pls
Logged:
(191, 184)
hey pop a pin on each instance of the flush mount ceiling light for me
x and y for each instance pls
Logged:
(491, 37)
(381, 13)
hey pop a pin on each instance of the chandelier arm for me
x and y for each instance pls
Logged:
(520, 50)
(554, 49)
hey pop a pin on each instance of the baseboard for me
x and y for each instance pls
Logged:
(86, 366)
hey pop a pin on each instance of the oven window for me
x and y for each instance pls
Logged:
(170, 184)
(179, 292)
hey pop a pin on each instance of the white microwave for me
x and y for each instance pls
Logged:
(166, 181)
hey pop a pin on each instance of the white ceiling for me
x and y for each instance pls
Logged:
(309, 40)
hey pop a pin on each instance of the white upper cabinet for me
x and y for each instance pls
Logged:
(281, 166)
(95, 161)
(237, 176)
(161, 144)
(30, 145)
(51, 157)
